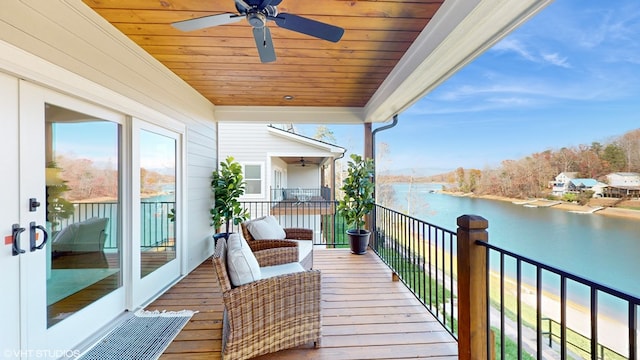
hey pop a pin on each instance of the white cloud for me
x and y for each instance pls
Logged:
(555, 59)
(513, 45)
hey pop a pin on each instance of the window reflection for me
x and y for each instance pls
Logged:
(158, 201)
(82, 172)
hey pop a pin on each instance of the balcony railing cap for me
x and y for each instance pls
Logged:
(475, 222)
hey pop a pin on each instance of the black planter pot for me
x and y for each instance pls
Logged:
(220, 236)
(358, 241)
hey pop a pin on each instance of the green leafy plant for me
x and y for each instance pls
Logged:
(58, 208)
(358, 192)
(227, 185)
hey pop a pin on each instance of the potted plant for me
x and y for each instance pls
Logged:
(227, 185)
(357, 201)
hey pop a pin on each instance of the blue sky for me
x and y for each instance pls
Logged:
(569, 76)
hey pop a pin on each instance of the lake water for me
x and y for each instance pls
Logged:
(599, 248)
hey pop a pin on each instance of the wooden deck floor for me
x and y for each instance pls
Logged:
(365, 315)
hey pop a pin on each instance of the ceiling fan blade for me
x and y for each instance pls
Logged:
(206, 21)
(262, 35)
(309, 27)
(241, 4)
(264, 4)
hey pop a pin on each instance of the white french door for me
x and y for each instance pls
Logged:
(70, 197)
(156, 164)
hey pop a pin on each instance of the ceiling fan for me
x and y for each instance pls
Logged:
(257, 13)
(302, 162)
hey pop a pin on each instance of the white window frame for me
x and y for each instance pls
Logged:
(262, 178)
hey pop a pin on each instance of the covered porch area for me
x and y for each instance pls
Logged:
(374, 319)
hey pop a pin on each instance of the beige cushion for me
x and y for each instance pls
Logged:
(266, 228)
(304, 248)
(242, 265)
(282, 269)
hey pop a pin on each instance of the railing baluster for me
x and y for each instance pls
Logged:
(502, 328)
(451, 287)
(437, 271)
(430, 272)
(633, 327)
(563, 317)
(519, 306)
(539, 313)
(488, 310)
(594, 323)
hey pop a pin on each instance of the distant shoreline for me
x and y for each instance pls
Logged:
(562, 205)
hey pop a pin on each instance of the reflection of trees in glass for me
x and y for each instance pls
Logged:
(58, 207)
(86, 180)
(151, 182)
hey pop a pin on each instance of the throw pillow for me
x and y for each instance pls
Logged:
(242, 265)
(266, 229)
(271, 220)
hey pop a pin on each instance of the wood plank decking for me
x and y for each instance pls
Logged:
(365, 315)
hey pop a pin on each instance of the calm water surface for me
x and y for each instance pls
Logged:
(600, 248)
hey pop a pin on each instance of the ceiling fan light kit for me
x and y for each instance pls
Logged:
(257, 13)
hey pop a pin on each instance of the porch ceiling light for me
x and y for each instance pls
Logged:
(288, 97)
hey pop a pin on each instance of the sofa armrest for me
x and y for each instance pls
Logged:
(293, 305)
(298, 233)
(274, 252)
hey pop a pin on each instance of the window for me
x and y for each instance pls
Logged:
(253, 179)
(277, 179)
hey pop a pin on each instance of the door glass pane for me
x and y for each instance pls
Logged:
(158, 201)
(83, 210)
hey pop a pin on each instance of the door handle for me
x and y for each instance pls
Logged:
(16, 230)
(32, 239)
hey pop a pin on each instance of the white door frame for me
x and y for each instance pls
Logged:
(62, 337)
(9, 214)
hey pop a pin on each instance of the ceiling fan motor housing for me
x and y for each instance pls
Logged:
(256, 19)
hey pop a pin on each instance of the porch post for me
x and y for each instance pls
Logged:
(368, 154)
(473, 336)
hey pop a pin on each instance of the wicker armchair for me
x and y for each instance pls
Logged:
(267, 315)
(305, 259)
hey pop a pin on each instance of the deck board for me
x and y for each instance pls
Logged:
(365, 315)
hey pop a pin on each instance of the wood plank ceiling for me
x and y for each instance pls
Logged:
(222, 62)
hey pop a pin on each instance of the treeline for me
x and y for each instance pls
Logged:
(86, 180)
(531, 176)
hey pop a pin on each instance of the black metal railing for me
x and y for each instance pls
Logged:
(553, 337)
(318, 215)
(157, 228)
(422, 256)
(84, 211)
(522, 291)
(301, 194)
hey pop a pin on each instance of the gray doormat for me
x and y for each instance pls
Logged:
(142, 337)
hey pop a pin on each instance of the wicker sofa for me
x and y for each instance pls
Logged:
(269, 314)
(302, 236)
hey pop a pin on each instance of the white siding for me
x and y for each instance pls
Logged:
(304, 177)
(253, 142)
(624, 179)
